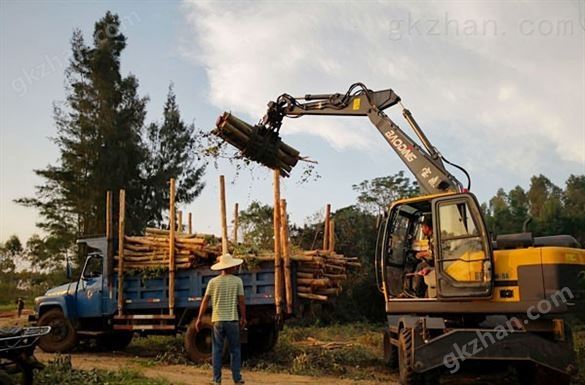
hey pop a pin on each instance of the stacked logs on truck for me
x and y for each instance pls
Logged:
(152, 250)
(257, 143)
(321, 273)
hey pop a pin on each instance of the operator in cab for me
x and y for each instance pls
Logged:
(425, 257)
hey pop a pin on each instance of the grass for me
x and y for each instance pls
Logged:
(361, 358)
(60, 371)
(8, 307)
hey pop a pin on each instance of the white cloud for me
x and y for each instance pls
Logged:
(487, 81)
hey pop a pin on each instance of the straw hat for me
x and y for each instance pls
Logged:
(226, 261)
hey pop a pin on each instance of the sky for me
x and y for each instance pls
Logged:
(497, 86)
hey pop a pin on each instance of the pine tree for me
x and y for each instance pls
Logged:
(99, 131)
(173, 154)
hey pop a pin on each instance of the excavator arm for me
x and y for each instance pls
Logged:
(426, 163)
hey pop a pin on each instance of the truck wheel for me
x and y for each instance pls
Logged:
(62, 337)
(390, 351)
(262, 338)
(198, 344)
(115, 341)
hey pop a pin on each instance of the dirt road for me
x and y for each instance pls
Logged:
(187, 375)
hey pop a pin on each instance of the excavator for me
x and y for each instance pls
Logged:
(503, 299)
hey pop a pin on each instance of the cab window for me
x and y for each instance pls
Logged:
(463, 255)
(93, 267)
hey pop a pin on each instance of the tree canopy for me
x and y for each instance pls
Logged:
(103, 146)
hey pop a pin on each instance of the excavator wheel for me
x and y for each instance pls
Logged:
(390, 351)
(407, 374)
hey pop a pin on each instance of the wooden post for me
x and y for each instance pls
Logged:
(110, 244)
(190, 223)
(224, 239)
(286, 255)
(180, 221)
(236, 218)
(121, 225)
(172, 225)
(326, 228)
(277, 246)
(332, 235)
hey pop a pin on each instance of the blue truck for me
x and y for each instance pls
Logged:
(87, 308)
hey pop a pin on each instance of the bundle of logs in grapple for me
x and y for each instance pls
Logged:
(320, 273)
(257, 143)
(152, 250)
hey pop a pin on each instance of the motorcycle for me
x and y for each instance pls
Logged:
(17, 362)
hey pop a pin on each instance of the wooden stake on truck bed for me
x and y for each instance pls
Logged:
(236, 222)
(326, 227)
(277, 246)
(121, 224)
(332, 235)
(286, 255)
(172, 225)
(224, 239)
(190, 223)
(180, 221)
(110, 245)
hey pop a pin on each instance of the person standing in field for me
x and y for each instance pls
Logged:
(19, 306)
(226, 294)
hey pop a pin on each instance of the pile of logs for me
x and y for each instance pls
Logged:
(257, 143)
(152, 250)
(320, 274)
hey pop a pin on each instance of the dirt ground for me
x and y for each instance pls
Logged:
(180, 374)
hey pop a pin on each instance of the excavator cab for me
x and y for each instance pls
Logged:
(458, 263)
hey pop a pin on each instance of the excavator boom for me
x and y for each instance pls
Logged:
(424, 162)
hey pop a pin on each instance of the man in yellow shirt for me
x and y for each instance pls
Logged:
(226, 293)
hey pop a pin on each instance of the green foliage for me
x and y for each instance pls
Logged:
(99, 130)
(172, 154)
(508, 211)
(574, 207)
(358, 359)
(552, 209)
(355, 232)
(376, 194)
(60, 371)
(256, 223)
(149, 272)
(9, 252)
(22, 283)
(101, 142)
(46, 254)
(28, 285)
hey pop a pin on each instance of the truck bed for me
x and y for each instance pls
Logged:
(152, 294)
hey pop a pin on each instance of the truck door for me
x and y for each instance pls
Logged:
(89, 288)
(462, 250)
